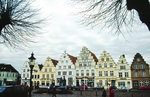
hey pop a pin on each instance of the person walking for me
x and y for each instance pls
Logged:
(104, 93)
(54, 91)
(111, 93)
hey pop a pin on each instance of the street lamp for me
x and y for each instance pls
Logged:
(31, 60)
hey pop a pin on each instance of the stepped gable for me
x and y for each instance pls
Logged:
(138, 55)
(94, 57)
(72, 58)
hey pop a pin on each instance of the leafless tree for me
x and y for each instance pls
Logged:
(116, 14)
(18, 22)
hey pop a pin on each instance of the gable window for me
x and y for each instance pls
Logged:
(70, 72)
(110, 65)
(126, 74)
(64, 73)
(100, 73)
(122, 62)
(136, 66)
(89, 63)
(93, 73)
(45, 69)
(111, 73)
(47, 64)
(143, 74)
(142, 66)
(105, 65)
(100, 65)
(135, 74)
(50, 69)
(122, 67)
(106, 73)
(84, 64)
(107, 59)
(80, 64)
(102, 59)
(82, 72)
(69, 67)
(120, 74)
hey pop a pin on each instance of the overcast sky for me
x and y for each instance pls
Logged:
(63, 32)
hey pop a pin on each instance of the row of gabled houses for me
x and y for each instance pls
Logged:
(89, 70)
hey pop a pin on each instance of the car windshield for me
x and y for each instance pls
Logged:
(2, 89)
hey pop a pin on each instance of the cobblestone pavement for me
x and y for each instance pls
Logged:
(99, 93)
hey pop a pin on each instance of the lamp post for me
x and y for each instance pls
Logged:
(31, 60)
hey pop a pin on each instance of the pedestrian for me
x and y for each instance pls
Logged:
(104, 93)
(54, 91)
(111, 93)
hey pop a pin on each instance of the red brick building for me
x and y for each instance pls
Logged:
(140, 72)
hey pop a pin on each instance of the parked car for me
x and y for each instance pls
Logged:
(84, 87)
(13, 91)
(76, 87)
(62, 87)
(144, 88)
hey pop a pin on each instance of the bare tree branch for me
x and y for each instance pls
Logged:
(115, 14)
(18, 22)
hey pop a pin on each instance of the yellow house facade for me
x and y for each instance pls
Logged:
(48, 72)
(105, 71)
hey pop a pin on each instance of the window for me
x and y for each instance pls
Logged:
(62, 61)
(87, 72)
(59, 73)
(38, 76)
(121, 84)
(93, 73)
(111, 73)
(143, 74)
(141, 83)
(100, 65)
(102, 59)
(66, 61)
(64, 67)
(69, 67)
(135, 74)
(135, 66)
(110, 65)
(101, 83)
(107, 59)
(142, 66)
(47, 64)
(138, 59)
(100, 73)
(50, 69)
(104, 54)
(105, 65)
(82, 72)
(77, 72)
(64, 73)
(106, 82)
(106, 73)
(122, 67)
(147, 83)
(70, 72)
(126, 74)
(59, 67)
(89, 63)
(43, 75)
(84, 64)
(86, 57)
(24, 70)
(24, 75)
(52, 75)
(45, 69)
(80, 64)
(47, 75)
(120, 74)
(27, 75)
(122, 62)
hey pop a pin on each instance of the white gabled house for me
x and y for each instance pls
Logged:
(65, 69)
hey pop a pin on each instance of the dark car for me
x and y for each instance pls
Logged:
(13, 91)
(76, 87)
